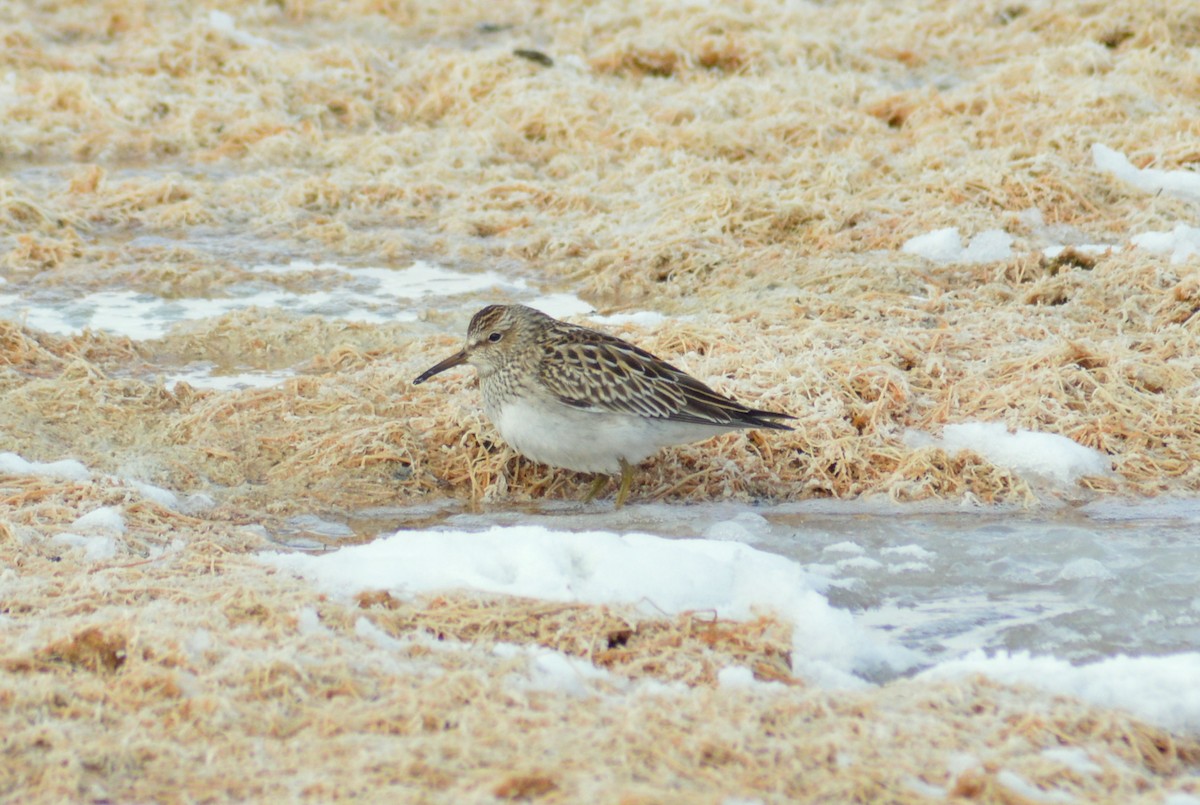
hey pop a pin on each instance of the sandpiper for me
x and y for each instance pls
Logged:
(587, 401)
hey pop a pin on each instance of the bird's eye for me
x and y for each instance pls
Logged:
(494, 337)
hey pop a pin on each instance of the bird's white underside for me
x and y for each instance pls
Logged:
(587, 441)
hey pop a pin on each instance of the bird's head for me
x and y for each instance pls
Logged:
(493, 337)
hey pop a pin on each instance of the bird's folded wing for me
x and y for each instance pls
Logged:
(616, 377)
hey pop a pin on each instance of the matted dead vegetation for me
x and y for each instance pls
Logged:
(185, 670)
(752, 166)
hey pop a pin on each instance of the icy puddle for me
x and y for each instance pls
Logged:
(1082, 584)
(373, 295)
(1101, 602)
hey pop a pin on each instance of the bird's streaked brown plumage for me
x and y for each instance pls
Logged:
(584, 400)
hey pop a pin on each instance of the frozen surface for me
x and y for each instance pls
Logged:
(1101, 602)
(376, 295)
(662, 575)
(560, 305)
(97, 548)
(1181, 243)
(1042, 455)
(105, 518)
(205, 376)
(223, 23)
(1161, 690)
(1181, 184)
(1089, 249)
(65, 470)
(946, 246)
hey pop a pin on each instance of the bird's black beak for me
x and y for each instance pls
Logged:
(449, 363)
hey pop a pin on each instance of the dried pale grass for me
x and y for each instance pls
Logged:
(755, 166)
(187, 670)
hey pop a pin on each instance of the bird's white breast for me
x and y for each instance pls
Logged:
(586, 441)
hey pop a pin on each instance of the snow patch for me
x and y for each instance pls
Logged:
(561, 305)
(156, 494)
(946, 246)
(223, 23)
(739, 677)
(1181, 184)
(66, 470)
(105, 518)
(660, 575)
(1181, 242)
(95, 548)
(1161, 690)
(1026, 452)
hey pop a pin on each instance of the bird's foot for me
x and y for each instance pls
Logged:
(626, 482)
(597, 485)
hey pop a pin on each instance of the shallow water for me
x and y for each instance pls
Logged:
(1078, 584)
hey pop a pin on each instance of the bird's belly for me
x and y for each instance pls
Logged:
(587, 441)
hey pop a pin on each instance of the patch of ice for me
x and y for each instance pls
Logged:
(941, 245)
(739, 677)
(1090, 249)
(1181, 184)
(1046, 455)
(1084, 568)
(315, 524)
(200, 376)
(1181, 243)
(909, 567)
(1159, 508)
(989, 247)
(859, 563)
(915, 551)
(744, 527)
(163, 497)
(96, 548)
(366, 629)
(661, 575)
(561, 305)
(554, 671)
(65, 470)
(223, 23)
(373, 295)
(1160, 689)
(946, 246)
(105, 518)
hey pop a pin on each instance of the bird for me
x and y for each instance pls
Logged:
(583, 400)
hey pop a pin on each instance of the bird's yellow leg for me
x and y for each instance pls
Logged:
(626, 482)
(597, 485)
